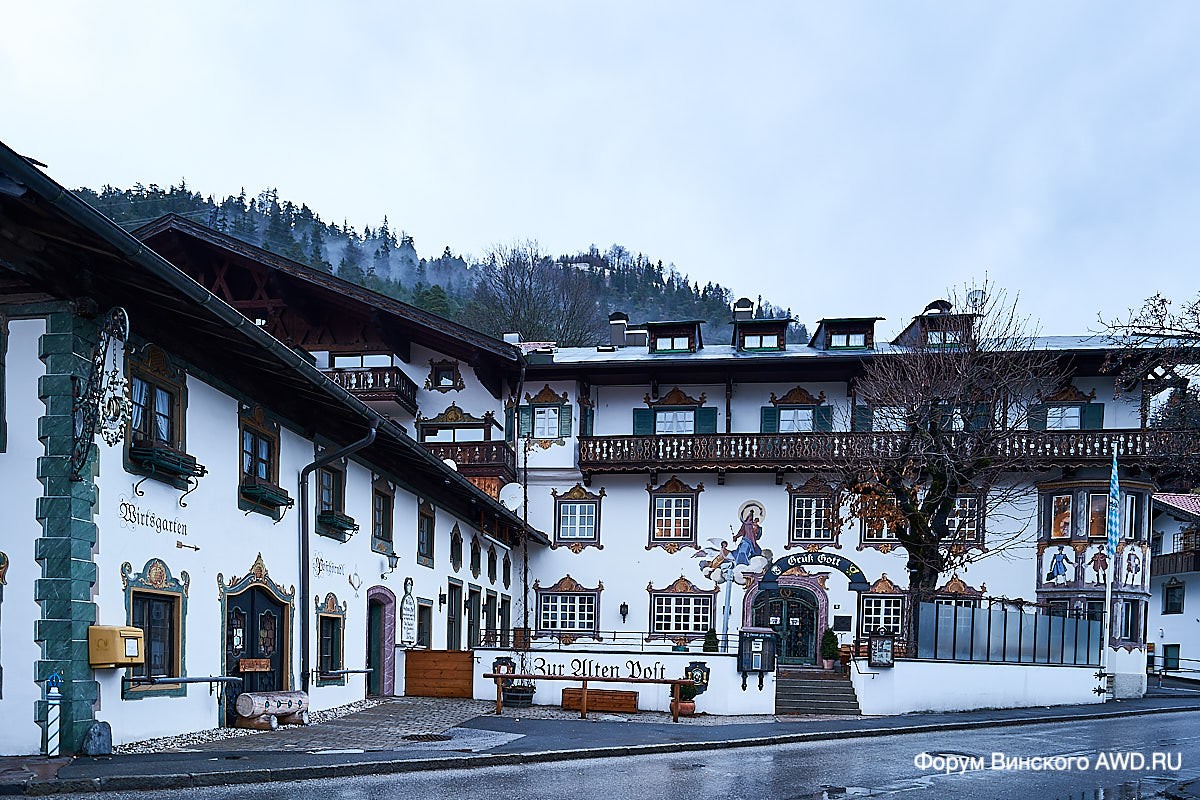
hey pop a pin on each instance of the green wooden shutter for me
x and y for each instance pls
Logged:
(823, 419)
(980, 417)
(587, 421)
(706, 420)
(525, 421)
(769, 416)
(643, 422)
(864, 419)
(1092, 417)
(510, 427)
(564, 421)
(1037, 418)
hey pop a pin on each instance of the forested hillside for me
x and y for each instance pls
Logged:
(385, 259)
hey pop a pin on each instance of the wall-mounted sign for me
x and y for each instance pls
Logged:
(135, 516)
(323, 566)
(254, 665)
(408, 616)
(858, 581)
(882, 650)
(593, 668)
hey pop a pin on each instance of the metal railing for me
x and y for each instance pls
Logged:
(377, 383)
(1004, 634)
(758, 451)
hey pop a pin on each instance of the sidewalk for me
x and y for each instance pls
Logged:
(414, 734)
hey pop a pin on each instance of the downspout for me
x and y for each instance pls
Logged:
(305, 612)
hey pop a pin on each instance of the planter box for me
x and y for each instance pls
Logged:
(519, 696)
(336, 525)
(265, 493)
(159, 458)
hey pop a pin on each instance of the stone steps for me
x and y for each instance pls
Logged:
(814, 692)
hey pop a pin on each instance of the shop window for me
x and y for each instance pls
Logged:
(331, 628)
(878, 612)
(156, 602)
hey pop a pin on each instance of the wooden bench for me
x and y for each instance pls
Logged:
(601, 700)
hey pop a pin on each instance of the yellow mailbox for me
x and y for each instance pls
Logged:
(111, 646)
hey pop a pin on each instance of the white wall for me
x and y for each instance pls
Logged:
(19, 532)
(954, 686)
(723, 696)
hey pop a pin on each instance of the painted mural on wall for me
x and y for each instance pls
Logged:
(748, 557)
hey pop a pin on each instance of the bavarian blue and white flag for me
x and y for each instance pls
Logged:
(1114, 513)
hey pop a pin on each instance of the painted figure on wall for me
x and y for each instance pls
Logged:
(749, 534)
(1133, 569)
(1099, 562)
(1058, 567)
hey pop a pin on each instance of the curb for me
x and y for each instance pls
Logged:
(191, 780)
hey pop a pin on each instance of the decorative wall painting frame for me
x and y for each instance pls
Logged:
(1060, 516)
(1097, 516)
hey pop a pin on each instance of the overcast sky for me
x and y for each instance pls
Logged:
(838, 158)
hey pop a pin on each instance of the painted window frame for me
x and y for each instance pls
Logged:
(812, 493)
(889, 606)
(672, 496)
(578, 499)
(156, 581)
(571, 603)
(383, 517)
(332, 617)
(253, 422)
(870, 520)
(1173, 589)
(667, 606)
(973, 504)
(456, 548)
(426, 533)
(152, 366)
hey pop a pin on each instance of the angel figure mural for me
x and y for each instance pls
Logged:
(737, 566)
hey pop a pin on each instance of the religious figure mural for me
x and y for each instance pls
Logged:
(721, 564)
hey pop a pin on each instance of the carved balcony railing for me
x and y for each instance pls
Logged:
(786, 452)
(490, 459)
(1175, 563)
(377, 383)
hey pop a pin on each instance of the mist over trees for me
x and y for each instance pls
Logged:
(511, 288)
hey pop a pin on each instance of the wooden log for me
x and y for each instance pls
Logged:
(299, 718)
(256, 704)
(267, 722)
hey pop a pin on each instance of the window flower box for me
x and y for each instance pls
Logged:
(264, 493)
(160, 458)
(336, 525)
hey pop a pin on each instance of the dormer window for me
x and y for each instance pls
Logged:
(943, 338)
(765, 341)
(839, 340)
(671, 344)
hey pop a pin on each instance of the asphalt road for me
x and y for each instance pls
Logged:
(882, 767)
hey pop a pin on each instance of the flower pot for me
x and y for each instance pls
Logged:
(828, 662)
(519, 696)
(686, 708)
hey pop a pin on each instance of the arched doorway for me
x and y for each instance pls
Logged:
(256, 632)
(794, 614)
(381, 641)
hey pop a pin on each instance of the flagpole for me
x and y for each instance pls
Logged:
(1113, 525)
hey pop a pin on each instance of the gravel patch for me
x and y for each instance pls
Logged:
(190, 741)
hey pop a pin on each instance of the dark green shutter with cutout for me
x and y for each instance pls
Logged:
(1092, 417)
(769, 416)
(510, 426)
(525, 421)
(564, 421)
(864, 419)
(587, 421)
(822, 419)
(1037, 418)
(643, 422)
(980, 417)
(706, 420)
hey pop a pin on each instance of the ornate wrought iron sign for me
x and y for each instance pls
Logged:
(103, 402)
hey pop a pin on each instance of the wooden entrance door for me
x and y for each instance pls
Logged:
(472, 619)
(792, 614)
(454, 609)
(256, 645)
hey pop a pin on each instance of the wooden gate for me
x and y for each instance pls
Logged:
(438, 673)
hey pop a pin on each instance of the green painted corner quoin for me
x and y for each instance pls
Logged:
(66, 513)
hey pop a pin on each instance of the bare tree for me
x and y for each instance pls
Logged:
(945, 403)
(525, 291)
(1156, 348)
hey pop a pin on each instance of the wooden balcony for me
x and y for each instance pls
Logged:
(493, 459)
(801, 452)
(1175, 563)
(377, 384)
